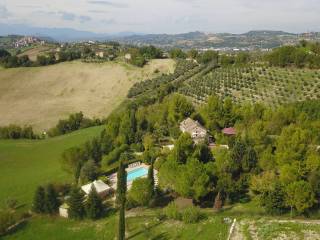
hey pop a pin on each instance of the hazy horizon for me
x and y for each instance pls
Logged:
(166, 16)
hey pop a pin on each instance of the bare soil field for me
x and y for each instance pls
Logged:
(34, 52)
(41, 96)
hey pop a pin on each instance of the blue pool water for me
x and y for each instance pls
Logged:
(137, 173)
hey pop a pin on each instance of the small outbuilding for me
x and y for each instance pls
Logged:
(229, 131)
(101, 188)
(170, 147)
(64, 210)
(127, 56)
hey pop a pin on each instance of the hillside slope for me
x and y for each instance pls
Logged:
(26, 164)
(269, 85)
(43, 95)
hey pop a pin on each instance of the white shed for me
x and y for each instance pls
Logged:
(101, 188)
(63, 210)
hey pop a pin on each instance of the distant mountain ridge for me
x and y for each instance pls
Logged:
(258, 39)
(58, 34)
(264, 39)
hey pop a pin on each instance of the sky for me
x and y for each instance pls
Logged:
(165, 16)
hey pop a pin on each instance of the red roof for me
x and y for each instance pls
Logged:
(229, 131)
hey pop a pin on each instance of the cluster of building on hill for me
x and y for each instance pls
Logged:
(200, 134)
(27, 41)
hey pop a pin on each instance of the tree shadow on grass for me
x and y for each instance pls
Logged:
(148, 229)
(161, 236)
(18, 227)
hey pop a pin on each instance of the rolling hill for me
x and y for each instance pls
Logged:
(41, 96)
(223, 41)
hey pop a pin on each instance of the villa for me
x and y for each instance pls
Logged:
(195, 129)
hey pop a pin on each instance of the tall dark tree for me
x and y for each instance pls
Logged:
(121, 181)
(96, 151)
(94, 205)
(51, 200)
(89, 172)
(121, 197)
(39, 205)
(76, 206)
(151, 178)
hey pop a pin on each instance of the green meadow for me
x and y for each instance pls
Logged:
(142, 226)
(26, 164)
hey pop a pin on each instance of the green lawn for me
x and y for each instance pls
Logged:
(25, 164)
(141, 227)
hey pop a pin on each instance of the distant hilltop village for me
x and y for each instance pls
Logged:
(27, 41)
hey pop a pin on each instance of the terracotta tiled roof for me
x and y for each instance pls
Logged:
(229, 131)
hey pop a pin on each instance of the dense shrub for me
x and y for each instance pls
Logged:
(140, 193)
(46, 60)
(89, 172)
(191, 215)
(69, 55)
(14, 61)
(114, 155)
(7, 218)
(151, 52)
(298, 56)
(45, 200)
(177, 53)
(172, 211)
(75, 122)
(4, 53)
(16, 132)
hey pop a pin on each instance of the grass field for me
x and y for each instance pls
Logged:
(41, 96)
(142, 224)
(256, 84)
(142, 227)
(24, 164)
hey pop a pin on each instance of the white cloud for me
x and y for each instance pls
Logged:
(109, 3)
(170, 16)
(4, 13)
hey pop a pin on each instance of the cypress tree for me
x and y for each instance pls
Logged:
(94, 205)
(96, 152)
(39, 205)
(121, 182)
(76, 207)
(51, 200)
(121, 198)
(151, 177)
(122, 223)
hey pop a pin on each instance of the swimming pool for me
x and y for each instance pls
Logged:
(136, 173)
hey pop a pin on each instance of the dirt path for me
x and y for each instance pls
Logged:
(237, 232)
